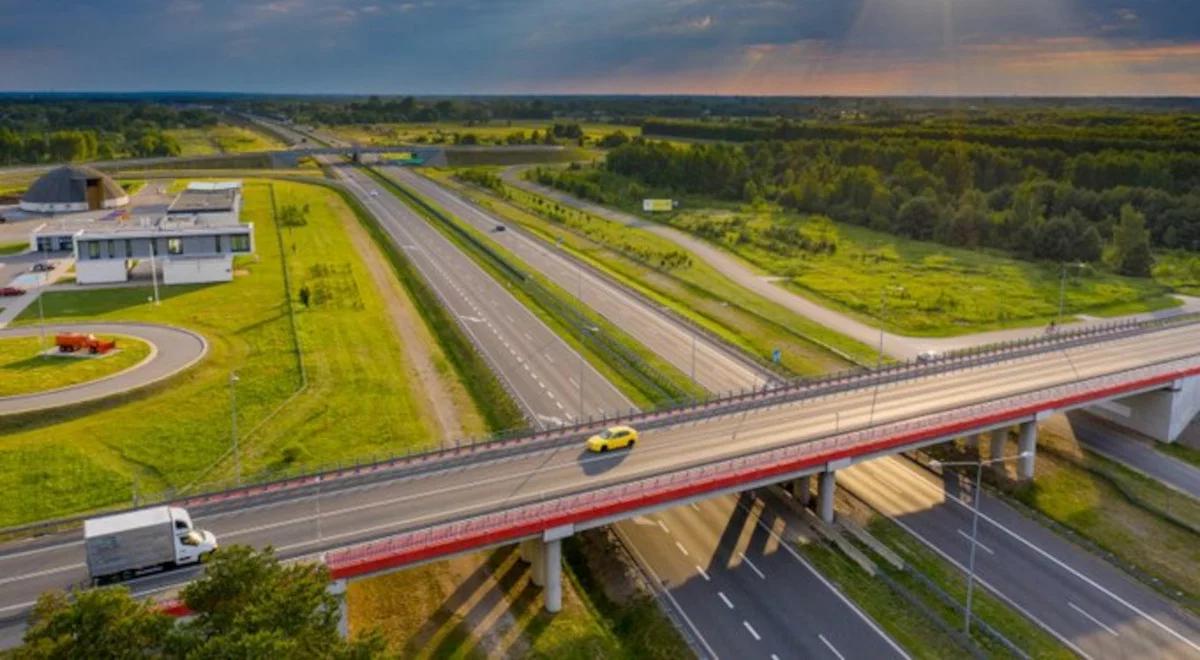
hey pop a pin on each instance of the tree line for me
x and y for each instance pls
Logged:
(1036, 204)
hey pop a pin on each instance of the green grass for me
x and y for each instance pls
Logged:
(358, 402)
(1180, 451)
(1084, 492)
(14, 248)
(23, 370)
(1016, 628)
(947, 291)
(445, 132)
(1179, 270)
(689, 286)
(222, 138)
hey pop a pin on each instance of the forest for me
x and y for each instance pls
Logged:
(1075, 203)
(44, 130)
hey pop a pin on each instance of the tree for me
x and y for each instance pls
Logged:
(1131, 241)
(99, 623)
(247, 605)
(918, 217)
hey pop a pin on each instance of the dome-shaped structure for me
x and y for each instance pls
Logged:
(73, 188)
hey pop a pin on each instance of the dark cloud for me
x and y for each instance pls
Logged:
(476, 46)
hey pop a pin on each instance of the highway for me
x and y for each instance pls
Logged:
(721, 631)
(311, 523)
(1090, 605)
(1124, 446)
(715, 368)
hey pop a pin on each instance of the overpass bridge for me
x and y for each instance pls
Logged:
(540, 488)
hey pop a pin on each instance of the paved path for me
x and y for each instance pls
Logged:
(764, 285)
(172, 350)
(1136, 452)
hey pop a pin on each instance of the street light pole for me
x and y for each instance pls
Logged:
(154, 268)
(974, 522)
(41, 315)
(233, 434)
(879, 357)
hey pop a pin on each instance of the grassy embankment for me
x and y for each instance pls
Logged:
(946, 291)
(221, 139)
(661, 270)
(14, 248)
(358, 401)
(652, 382)
(24, 370)
(493, 133)
(1117, 509)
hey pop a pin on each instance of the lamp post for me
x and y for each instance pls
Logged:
(41, 314)
(974, 520)
(233, 434)
(1062, 288)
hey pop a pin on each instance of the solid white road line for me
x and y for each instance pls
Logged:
(829, 585)
(981, 546)
(725, 599)
(831, 647)
(751, 565)
(1092, 619)
(48, 571)
(681, 548)
(1060, 563)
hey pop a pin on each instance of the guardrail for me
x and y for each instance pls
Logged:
(506, 444)
(552, 511)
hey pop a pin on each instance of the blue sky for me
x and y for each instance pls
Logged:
(605, 46)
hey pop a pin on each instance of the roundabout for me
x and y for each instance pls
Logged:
(170, 351)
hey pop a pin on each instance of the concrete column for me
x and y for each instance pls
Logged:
(1028, 446)
(537, 563)
(826, 484)
(552, 566)
(802, 489)
(999, 439)
(973, 442)
(338, 588)
(525, 549)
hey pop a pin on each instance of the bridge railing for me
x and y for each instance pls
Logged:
(410, 462)
(552, 510)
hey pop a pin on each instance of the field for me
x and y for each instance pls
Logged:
(223, 138)
(357, 400)
(936, 290)
(24, 371)
(14, 248)
(448, 132)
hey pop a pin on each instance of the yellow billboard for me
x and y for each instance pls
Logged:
(658, 205)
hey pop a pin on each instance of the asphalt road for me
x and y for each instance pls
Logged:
(1091, 606)
(173, 350)
(763, 284)
(715, 368)
(1124, 446)
(339, 518)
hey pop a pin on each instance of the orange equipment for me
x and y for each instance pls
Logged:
(69, 342)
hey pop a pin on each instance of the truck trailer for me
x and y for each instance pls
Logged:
(124, 544)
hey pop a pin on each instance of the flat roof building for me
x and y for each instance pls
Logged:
(73, 188)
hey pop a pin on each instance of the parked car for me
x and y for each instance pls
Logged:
(498, 228)
(11, 291)
(42, 267)
(614, 437)
(925, 357)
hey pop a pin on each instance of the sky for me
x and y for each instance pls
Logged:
(731, 47)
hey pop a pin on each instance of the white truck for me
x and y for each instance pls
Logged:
(121, 545)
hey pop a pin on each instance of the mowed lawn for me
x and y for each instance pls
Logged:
(933, 290)
(24, 369)
(359, 401)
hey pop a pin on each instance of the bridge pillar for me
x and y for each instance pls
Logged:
(826, 483)
(1162, 414)
(973, 442)
(338, 589)
(802, 490)
(1027, 445)
(537, 563)
(999, 439)
(551, 553)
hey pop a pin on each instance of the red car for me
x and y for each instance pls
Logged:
(11, 291)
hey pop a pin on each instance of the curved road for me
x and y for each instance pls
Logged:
(172, 350)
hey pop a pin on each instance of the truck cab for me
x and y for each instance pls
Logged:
(191, 544)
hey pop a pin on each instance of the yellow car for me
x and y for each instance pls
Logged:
(614, 437)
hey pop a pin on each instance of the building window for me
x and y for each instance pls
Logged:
(128, 248)
(93, 249)
(112, 248)
(240, 242)
(217, 244)
(174, 246)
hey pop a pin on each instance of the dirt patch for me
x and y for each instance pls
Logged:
(446, 400)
